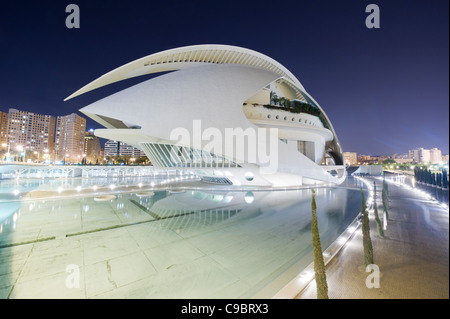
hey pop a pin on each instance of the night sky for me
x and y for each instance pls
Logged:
(385, 90)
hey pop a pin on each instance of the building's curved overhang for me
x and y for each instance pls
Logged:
(187, 57)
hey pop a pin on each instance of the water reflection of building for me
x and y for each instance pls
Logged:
(9, 213)
(193, 209)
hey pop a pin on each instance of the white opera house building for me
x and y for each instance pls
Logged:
(231, 115)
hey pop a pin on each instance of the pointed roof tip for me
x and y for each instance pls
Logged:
(70, 96)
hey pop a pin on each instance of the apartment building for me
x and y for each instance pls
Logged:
(70, 138)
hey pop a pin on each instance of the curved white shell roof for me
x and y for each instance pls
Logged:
(190, 56)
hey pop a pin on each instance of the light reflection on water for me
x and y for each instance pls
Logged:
(263, 232)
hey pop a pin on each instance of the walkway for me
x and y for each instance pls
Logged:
(413, 258)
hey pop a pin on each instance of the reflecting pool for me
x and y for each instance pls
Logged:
(163, 242)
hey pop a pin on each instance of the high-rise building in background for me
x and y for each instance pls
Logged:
(421, 155)
(435, 156)
(3, 129)
(69, 140)
(445, 158)
(30, 133)
(92, 148)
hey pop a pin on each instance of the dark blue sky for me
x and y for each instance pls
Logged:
(385, 90)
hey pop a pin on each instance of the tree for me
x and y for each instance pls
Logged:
(375, 209)
(367, 241)
(388, 161)
(274, 100)
(439, 179)
(444, 178)
(319, 264)
(385, 198)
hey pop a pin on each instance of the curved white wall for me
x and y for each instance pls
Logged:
(210, 85)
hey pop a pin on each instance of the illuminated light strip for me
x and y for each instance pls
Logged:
(418, 191)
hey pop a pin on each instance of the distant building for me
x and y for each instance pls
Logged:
(350, 158)
(435, 156)
(3, 128)
(401, 158)
(445, 158)
(69, 141)
(92, 148)
(113, 148)
(422, 156)
(367, 159)
(30, 133)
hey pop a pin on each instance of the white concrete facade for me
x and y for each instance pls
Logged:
(213, 86)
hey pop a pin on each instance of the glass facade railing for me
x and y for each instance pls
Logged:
(175, 156)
